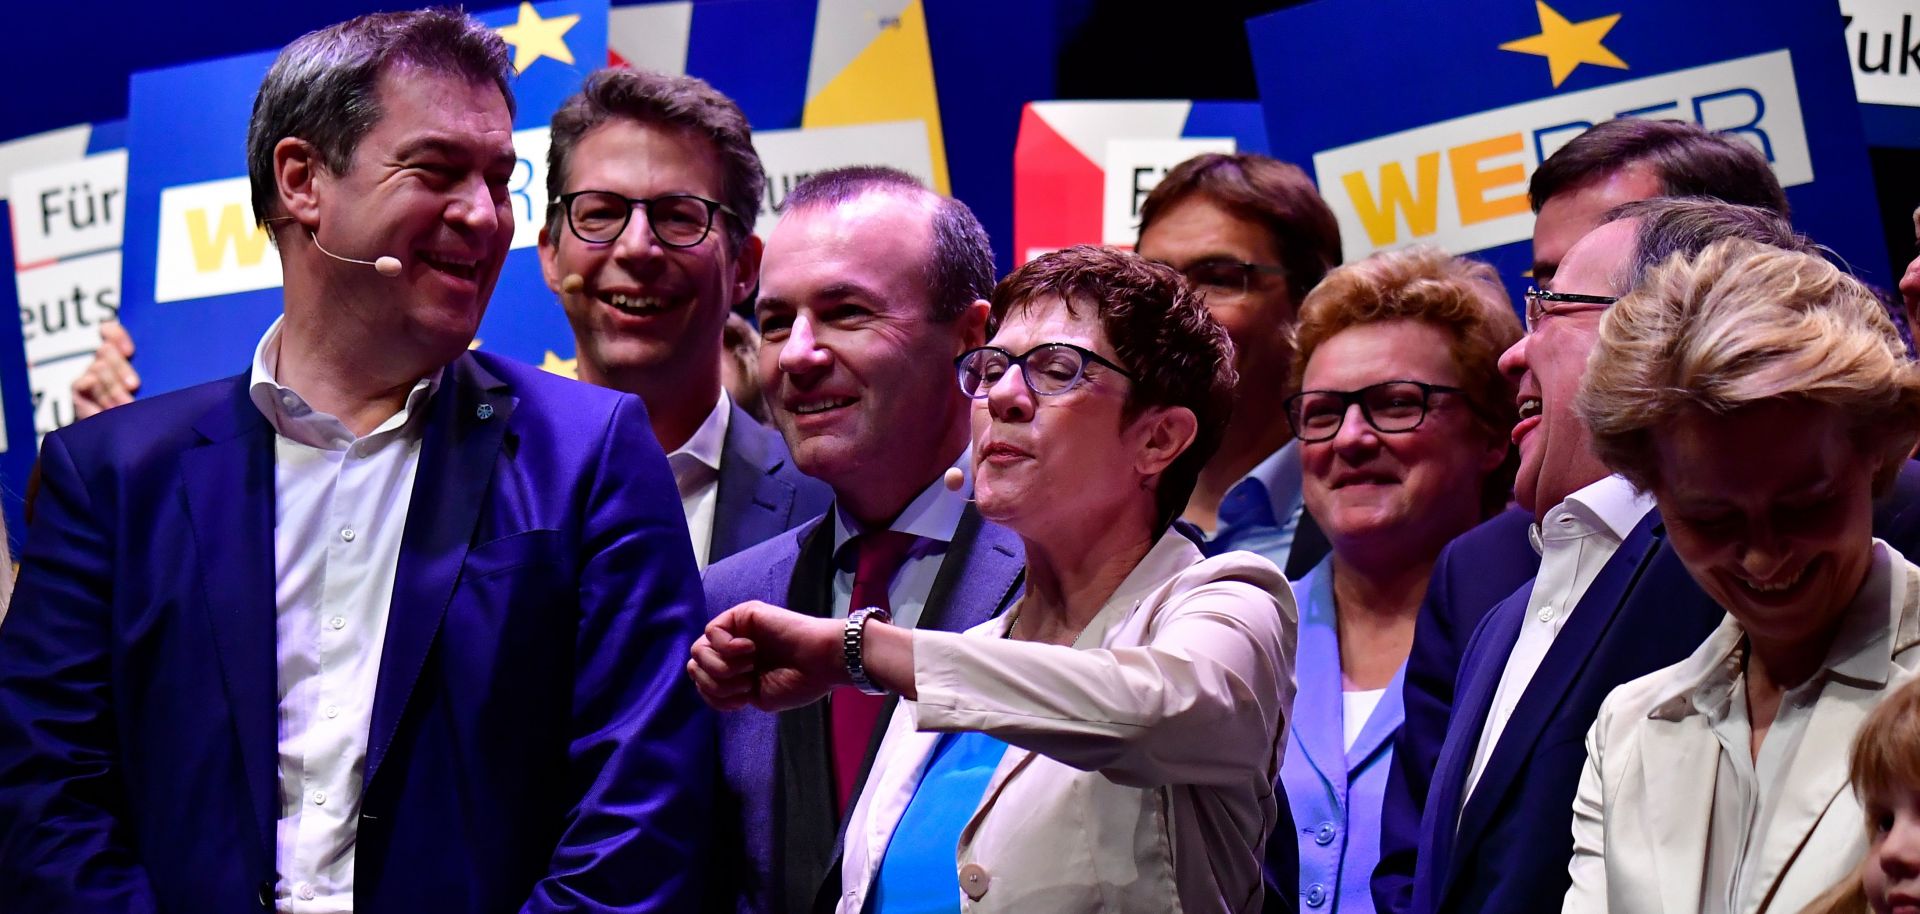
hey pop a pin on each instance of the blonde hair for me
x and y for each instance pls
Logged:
(1886, 755)
(1740, 324)
(1462, 298)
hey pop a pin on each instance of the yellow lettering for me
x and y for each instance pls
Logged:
(1471, 182)
(249, 242)
(1395, 196)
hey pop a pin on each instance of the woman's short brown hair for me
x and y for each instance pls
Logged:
(1164, 335)
(1738, 325)
(1460, 297)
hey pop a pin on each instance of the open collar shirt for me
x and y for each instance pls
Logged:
(1577, 538)
(340, 512)
(696, 473)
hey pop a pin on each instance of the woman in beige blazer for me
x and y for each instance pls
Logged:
(1763, 397)
(1110, 743)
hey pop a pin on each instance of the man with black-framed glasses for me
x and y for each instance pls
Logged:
(649, 244)
(1608, 602)
(1253, 236)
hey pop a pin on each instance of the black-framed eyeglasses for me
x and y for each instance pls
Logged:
(1225, 276)
(676, 220)
(1050, 369)
(1389, 406)
(1539, 302)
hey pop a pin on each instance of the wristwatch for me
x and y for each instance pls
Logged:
(853, 640)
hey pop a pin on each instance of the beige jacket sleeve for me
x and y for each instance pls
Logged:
(1195, 687)
(1588, 867)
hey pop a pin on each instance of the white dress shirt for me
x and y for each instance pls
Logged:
(1577, 538)
(696, 472)
(340, 510)
(933, 516)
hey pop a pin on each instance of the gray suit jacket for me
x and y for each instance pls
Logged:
(777, 848)
(761, 492)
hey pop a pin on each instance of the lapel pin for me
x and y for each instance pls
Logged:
(484, 411)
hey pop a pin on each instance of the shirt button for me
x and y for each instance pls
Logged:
(319, 798)
(1546, 613)
(1325, 835)
(973, 880)
(347, 534)
(342, 442)
(287, 400)
(333, 711)
(338, 622)
(1316, 895)
(306, 891)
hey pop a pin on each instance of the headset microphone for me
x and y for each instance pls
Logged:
(573, 284)
(385, 265)
(954, 479)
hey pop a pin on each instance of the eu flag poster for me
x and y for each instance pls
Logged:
(202, 282)
(1422, 122)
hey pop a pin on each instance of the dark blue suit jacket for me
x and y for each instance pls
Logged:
(761, 492)
(1473, 574)
(534, 744)
(779, 851)
(1507, 849)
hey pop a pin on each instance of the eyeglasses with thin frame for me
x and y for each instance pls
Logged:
(1225, 276)
(676, 220)
(1538, 301)
(1050, 369)
(1390, 407)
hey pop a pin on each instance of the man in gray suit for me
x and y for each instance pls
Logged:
(873, 285)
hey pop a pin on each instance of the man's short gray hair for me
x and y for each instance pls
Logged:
(1687, 225)
(323, 88)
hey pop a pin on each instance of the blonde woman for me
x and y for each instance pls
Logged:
(1763, 397)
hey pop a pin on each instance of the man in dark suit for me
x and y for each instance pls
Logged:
(381, 625)
(1254, 236)
(1495, 833)
(649, 244)
(1614, 163)
(873, 286)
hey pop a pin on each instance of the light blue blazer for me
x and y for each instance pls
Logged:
(1335, 794)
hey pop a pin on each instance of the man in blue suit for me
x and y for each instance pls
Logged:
(1614, 163)
(1495, 834)
(649, 244)
(380, 625)
(873, 286)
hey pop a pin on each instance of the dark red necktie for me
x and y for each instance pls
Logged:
(853, 714)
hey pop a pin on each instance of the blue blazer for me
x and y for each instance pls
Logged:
(1474, 573)
(762, 493)
(1334, 791)
(533, 742)
(1514, 838)
(779, 849)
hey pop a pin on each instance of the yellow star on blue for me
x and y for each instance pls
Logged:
(533, 37)
(554, 364)
(1567, 45)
